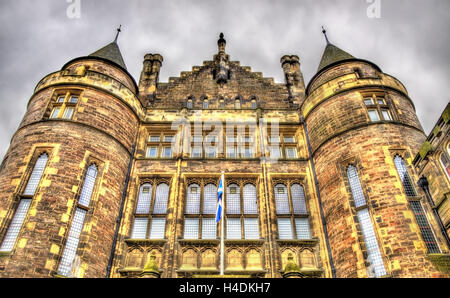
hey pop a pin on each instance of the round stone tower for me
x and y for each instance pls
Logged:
(364, 133)
(73, 147)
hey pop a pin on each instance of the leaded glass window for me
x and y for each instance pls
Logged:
(285, 228)
(355, 185)
(210, 199)
(233, 199)
(408, 185)
(425, 229)
(209, 227)
(250, 204)
(24, 204)
(76, 227)
(233, 228)
(16, 225)
(151, 208)
(376, 267)
(88, 186)
(145, 196)
(298, 199)
(36, 175)
(193, 199)
(281, 199)
(290, 205)
(200, 222)
(373, 251)
(71, 247)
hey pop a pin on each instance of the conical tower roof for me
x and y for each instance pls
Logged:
(331, 55)
(110, 52)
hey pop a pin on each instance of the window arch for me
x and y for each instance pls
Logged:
(189, 104)
(416, 206)
(237, 104)
(210, 199)
(233, 199)
(298, 199)
(205, 103)
(200, 225)
(145, 195)
(281, 199)
(161, 199)
(70, 249)
(250, 204)
(376, 267)
(151, 208)
(408, 185)
(24, 204)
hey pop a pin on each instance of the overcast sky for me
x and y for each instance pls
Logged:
(408, 39)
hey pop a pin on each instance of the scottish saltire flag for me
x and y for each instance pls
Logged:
(219, 199)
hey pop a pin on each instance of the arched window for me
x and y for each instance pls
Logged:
(376, 267)
(71, 247)
(145, 196)
(200, 224)
(205, 104)
(237, 104)
(24, 204)
(253, 104)
(293, 223)
(298, 199)
(161, 199)
(233, 199)
(416, 206)
(408, 185)
(151, 208)
(250, 204)
(189, 104)
(36, 175)
(210, 199)
(281, 199)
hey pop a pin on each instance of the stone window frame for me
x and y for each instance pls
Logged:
(161, 144)
(379, 108)
(154, 181)
(242, 215)
(18, 195)
(282, 144)
(202, 182)
(61, 99)
(342, 167)
(89, 161)
(288, 182)
(445, 154)
(417, 199)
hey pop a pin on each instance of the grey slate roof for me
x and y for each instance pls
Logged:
(331, 55)
(110, 52)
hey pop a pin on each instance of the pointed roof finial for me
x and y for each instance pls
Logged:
(118, 32)
(325, 33)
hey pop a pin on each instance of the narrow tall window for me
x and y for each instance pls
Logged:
(189, 104)
(292, 215)
(416, 206)
(24, 204)
(71, 246)
(151, 209)
(376, 267)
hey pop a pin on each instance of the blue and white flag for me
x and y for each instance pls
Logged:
(219, 199)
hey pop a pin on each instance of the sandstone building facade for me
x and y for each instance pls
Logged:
(106, 177)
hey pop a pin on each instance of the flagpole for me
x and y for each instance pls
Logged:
(222, 231)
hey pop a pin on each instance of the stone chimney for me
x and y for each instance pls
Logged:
(293, 76)
(150, 74)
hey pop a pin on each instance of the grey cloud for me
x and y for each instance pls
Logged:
(409, 41)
